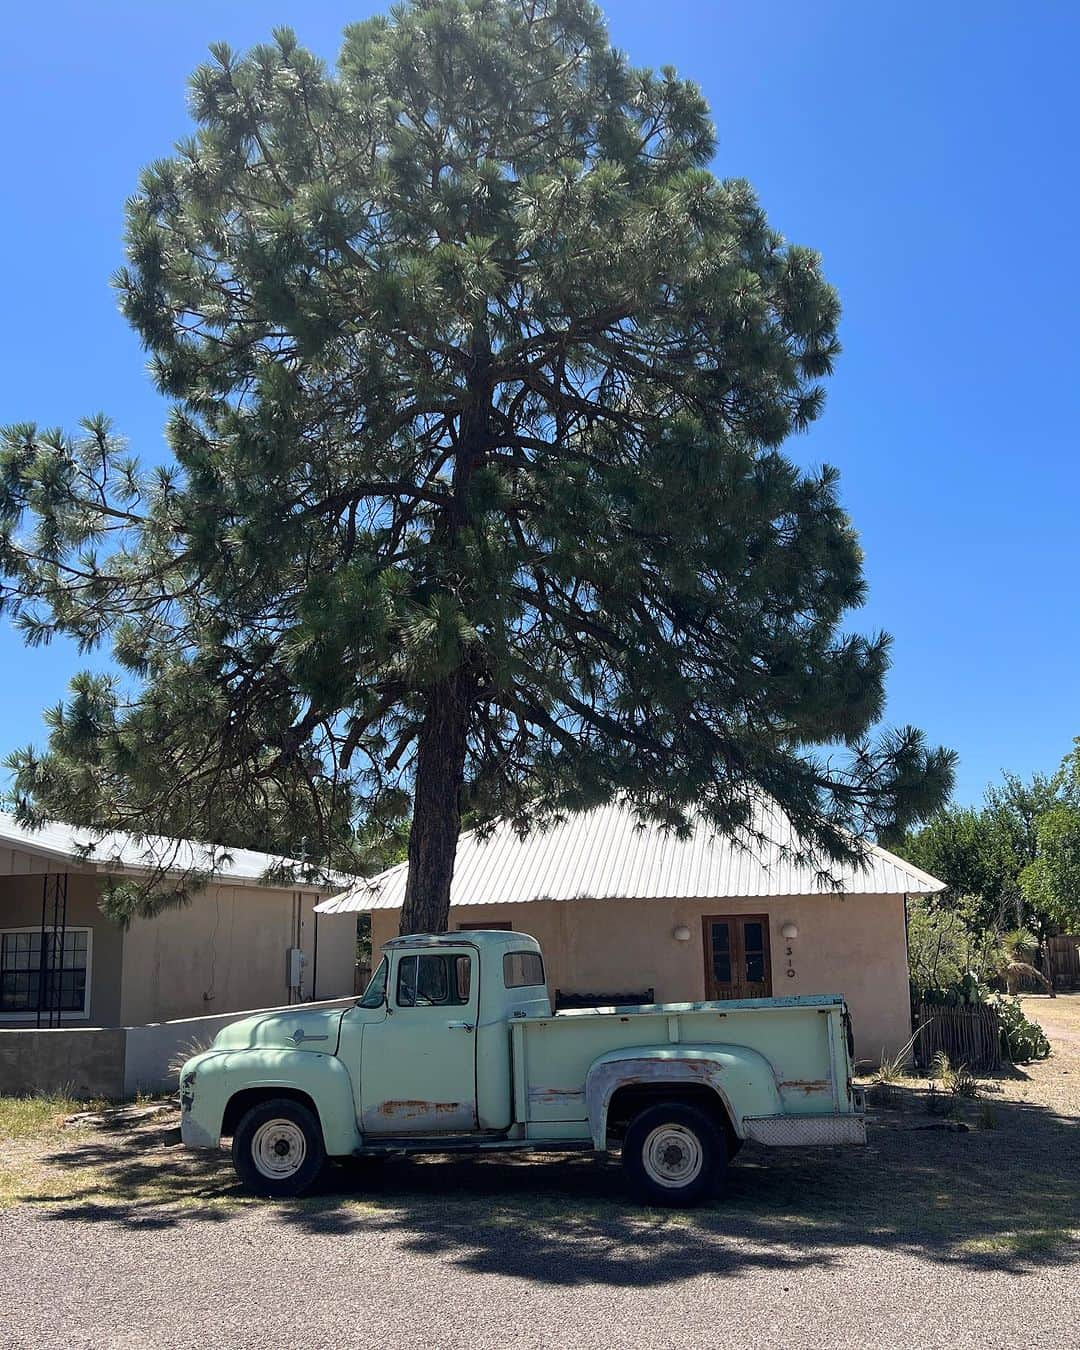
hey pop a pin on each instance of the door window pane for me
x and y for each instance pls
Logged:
(754, 950)
(432, 985)
(721, 953)
(434, 981)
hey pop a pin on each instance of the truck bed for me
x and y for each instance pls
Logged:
(801, 1037)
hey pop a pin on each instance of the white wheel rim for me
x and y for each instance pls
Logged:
(278, 1149)
(672, 1156)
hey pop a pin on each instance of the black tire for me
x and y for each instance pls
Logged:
(271, 1130)
(692, 1144)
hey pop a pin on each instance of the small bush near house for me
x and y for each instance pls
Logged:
(957, 1082)
(939, 1103)
(188, 1051)
(987, 1117)
(1021, 1039)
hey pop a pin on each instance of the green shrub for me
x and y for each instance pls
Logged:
(1021, 1040)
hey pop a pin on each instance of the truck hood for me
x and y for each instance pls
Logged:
(316, 1030)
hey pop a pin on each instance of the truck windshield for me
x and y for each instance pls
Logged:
(375, 993)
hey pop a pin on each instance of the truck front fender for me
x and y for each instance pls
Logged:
(211, 1080)
(743, 1080)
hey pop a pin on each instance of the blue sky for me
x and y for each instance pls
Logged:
(927, 151)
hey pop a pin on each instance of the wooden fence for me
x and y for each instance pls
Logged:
(1061, 961)
(968, 1035)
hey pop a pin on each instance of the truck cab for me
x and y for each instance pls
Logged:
(431, 1042)
(454, 1047)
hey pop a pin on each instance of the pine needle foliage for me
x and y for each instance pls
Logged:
(476, 499)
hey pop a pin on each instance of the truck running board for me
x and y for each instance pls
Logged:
(468, 1143)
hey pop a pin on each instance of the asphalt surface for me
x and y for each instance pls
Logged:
(254, 1282)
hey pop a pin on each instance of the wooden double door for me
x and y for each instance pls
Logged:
(737, 963)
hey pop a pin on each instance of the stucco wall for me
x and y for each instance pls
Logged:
(226, 951)
(20, 907)
(852, 945)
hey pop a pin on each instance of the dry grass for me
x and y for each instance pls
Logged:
(29, 1128)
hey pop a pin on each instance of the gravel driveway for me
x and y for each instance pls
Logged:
(929, 1237)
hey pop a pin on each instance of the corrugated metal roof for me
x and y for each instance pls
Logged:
(118, 852)
(608, 854)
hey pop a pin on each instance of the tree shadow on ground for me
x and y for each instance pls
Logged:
(1004, 1194)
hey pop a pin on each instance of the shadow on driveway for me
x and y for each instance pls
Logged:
(1006, 1194)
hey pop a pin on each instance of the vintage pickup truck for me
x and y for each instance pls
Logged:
(454, 1048)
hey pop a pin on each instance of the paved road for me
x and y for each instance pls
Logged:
(253, 1282)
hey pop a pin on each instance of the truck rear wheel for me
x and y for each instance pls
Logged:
(278, 1148)
(673, 1154)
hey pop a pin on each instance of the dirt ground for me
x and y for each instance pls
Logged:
(992, 1189)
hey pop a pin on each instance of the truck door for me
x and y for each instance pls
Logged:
(418, 1065)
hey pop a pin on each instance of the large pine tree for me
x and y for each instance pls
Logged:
(479, 379)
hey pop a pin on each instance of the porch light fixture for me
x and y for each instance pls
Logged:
(789, 931)
(681, 933)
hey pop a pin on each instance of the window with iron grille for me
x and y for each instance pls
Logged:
(65, 975)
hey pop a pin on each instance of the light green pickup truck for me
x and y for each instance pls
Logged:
(454, 1048)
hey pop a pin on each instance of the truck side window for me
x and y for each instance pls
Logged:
(433, 981)
(522, 969)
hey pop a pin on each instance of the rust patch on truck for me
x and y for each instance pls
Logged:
(406, 1110)
(420, 1116)
(556, 1097)
(806, 1085)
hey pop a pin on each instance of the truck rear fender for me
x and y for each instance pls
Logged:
(741, 1078)
(241, 1077)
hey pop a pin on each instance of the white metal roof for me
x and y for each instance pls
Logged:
(608, 854)
(23, 850)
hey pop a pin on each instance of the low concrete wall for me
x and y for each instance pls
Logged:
(113, 1061)
(151, 1049)
(85, 1061)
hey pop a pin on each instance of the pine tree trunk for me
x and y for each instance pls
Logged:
(440, 756)
(436, 821)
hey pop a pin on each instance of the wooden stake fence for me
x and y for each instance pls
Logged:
(1061, 962)
(968, 1035)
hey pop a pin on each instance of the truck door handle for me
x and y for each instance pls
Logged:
(459, 1026)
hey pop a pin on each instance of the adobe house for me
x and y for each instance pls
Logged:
(630, 913)
(237, 945)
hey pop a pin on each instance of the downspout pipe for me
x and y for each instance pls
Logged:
(315, 956)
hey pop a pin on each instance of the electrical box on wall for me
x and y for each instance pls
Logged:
(295, 961)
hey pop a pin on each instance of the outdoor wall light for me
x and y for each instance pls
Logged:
(790, 930)
(681, 934)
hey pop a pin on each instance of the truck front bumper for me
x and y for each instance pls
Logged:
(806, 1131)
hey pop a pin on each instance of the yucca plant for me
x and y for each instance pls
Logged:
(1012, 959)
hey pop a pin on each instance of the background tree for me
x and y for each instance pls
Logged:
(1051, 881)
(476, 501)
(1014, 863)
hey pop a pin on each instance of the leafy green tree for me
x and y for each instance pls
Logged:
(476, 501)
(953, 847)
(1013, 863)
(1051, 881)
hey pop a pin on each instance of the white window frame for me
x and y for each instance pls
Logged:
(67, 1014)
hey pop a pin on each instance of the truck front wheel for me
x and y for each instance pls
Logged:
(673, 1154)
(278, 1148)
